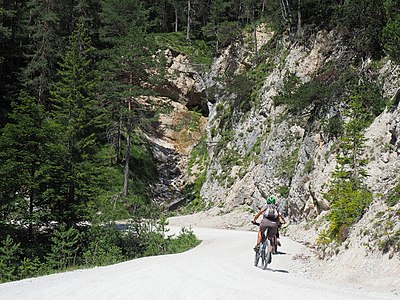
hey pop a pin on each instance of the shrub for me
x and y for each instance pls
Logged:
(283, 190)
(333, 127)
(9, 259)
(64, 249)
(309, 166)
(102, 248)
(183, 242)
(394, 196)
(347, 207)
(288, 163)
(30, 267)
(199, 52)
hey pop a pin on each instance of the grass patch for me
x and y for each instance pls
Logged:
(198, 51)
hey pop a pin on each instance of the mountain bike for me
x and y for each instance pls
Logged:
(263, 250)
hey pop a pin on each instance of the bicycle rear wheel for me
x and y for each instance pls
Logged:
(266, 254)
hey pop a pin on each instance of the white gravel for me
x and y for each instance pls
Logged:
(221, 267)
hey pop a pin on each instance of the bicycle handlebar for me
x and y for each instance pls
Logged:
(255, 223)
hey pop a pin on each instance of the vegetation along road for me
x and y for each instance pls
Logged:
(220, 268)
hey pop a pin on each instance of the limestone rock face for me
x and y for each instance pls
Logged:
(267, 150)
(293, 158)
(178, 128)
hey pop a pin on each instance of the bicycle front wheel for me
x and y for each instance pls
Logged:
(257, 256)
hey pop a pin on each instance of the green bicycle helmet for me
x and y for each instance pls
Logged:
(271, 200)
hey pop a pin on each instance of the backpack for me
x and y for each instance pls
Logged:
(271, 213)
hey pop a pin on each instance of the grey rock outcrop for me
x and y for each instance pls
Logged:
(295, 157)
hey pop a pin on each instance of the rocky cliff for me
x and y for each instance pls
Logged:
(257, 144)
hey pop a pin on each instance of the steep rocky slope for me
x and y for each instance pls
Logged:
(289, 153)
(256, 144)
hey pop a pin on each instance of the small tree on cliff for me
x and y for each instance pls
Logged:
(347, 194)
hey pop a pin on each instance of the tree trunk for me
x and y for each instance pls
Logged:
(118, 142)
(285, 10)
(299, 31)
(254, 31)
(188, 21)
(128, 150)
(31, 201)
(176, 19)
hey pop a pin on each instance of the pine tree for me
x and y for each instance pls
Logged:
(350, 161)
(43, 47)
(126, 72)
(348, 195)
(79, 120)
(25, 165)
(11, 56)
(391, 32)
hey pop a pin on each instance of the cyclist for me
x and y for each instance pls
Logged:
(270, 220)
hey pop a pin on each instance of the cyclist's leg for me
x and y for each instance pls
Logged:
(261, 232)
(272, 236)
(259, 238)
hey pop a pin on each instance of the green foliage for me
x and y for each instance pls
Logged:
(102, 248)
(28, 164)
(9, 259)
(347, 195)
(288, 163)
(198, 159)
(308, 166)
(390, 241)
(364, 20)
(192, 194)
(224, 112)
(328, 88)
(80, 123)
(62, 153)
(64, 249)
(185, 240)
(143, 165)
(333, 127)
(229, 158)
(198, 51)
(394, 196)
(227, 32)
(119, 18)
(350, 161)
(239, 94)
(42, 22)
(283, 190)
(391, 32)
(347, 206)
(371, 100)
(30, 267)
(299, 96)
(199, 156)
(241, 87)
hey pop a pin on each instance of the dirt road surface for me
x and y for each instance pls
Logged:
(221, 267)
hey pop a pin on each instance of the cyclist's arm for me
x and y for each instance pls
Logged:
(258, 214)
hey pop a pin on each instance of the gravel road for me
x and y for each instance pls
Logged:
(221, 267)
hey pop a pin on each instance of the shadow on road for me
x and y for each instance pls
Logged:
(280, 271)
